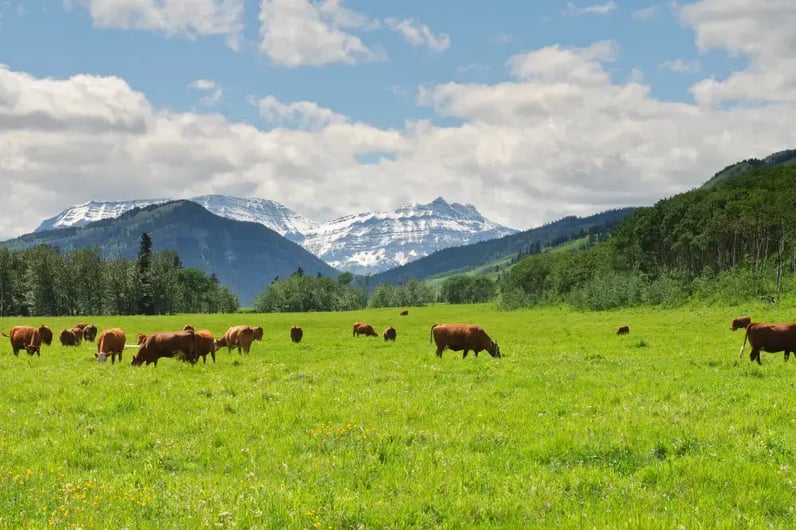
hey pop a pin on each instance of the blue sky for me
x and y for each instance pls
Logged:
(529, 110)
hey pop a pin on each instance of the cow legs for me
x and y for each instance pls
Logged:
(755, 355)
(464, 354)
(439, 352)
(787, 355)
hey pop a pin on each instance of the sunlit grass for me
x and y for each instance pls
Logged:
(575, 427)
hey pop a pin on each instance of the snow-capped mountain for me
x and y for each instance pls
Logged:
(272, 214)
(363, 243)
(375, 241)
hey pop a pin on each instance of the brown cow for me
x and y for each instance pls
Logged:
(463, 337)
(111, 343)
(624, 330)
(404, 312)
(90, 332)
(389, 334)
(80, 326)
(296, 333)
(356, 325)
(740, 322)
(239, 336)
(365, 329)
(258, 333)
(771, 338)
(166, 344)
(29, 338)
(205, 344)
(68, 337)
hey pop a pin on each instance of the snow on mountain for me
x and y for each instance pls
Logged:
(363, 243)
(274, 215)
(376, 241)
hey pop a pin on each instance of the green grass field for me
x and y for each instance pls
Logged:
(575, 427)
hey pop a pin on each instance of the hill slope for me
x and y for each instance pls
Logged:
(781, 158)
(246, 256)
(465, 257)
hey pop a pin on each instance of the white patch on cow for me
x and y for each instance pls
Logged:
(101, 357)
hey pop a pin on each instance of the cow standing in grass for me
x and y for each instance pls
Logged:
(111, 343)
(770, 338)
(296, 333)
(463, 337)
(166, 344)
(29, 338)
(364, 329)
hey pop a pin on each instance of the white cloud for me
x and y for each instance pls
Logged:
(762, 32)
(213, 92)
(305, 115)
(645, 13)
(683, 66)
(180, 18)
(418, 34)
(301, 33)
(558, 137)
(597, 9)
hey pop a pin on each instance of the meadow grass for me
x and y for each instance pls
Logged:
(575, 427)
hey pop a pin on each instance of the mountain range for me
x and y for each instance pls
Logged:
(245, 256)
(363, 243)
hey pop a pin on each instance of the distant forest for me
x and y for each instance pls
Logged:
(44, 281)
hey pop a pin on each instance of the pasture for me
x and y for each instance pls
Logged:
(575, 427)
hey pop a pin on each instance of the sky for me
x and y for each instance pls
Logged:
(529, 110)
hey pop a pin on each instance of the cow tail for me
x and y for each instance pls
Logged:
(431, 333)
(745, 336)
(3, 334)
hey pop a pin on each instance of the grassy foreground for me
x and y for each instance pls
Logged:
(575, 427)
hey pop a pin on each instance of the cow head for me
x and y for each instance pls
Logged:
(494, 350)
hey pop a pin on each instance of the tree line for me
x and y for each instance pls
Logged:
(45, 281)
(728, 243)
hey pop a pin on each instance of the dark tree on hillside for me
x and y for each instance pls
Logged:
(146, 303)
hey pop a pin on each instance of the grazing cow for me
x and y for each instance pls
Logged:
(463, 337)
(389, 334)
(239, 336)
(69, 337)
(365, 329)
(166, 344)
(771, 338)
(90, 332)
(29, 338)
(296, 333)
(356, 325)
(624, 330)
(111, 343)
(404, 312)
(205, 344)
(741, 322)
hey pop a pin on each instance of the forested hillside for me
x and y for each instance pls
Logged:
(735, 241)
(462, 258)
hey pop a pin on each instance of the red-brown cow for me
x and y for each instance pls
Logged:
(239, 336)
(29, 338)
(356, 325)
(80, 326)
(624, 330)
(205, 344)
(70, 337)
(389, 334)
(365, 329)
(740, 322)
(296, 333)
(771, 338)
(463, 337)
(166, 344)
(111, 343)
(90, 332)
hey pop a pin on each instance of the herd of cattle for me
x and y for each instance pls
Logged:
(191, 344)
